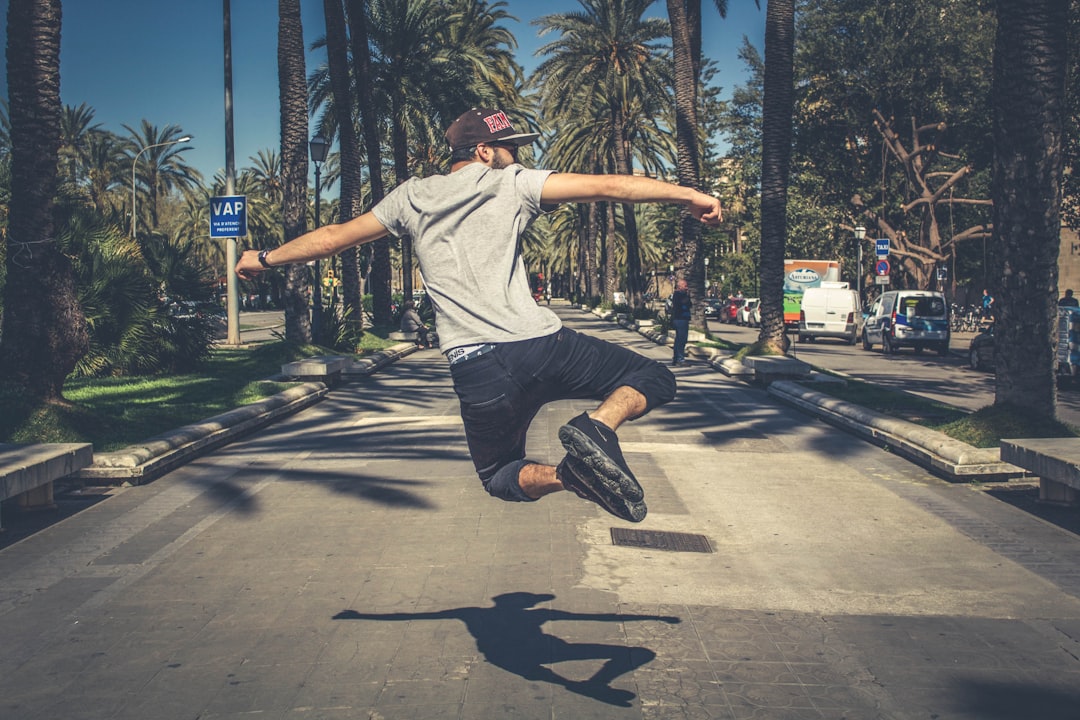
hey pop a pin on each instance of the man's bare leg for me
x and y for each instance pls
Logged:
(625, 403)
(539, 480)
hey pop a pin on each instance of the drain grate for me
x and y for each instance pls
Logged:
(660, 540)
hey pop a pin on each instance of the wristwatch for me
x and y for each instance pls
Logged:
(262, 259)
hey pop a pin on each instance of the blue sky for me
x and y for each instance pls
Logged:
(162, 60)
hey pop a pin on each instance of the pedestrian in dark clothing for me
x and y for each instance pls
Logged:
(1068, 300)
(508, 355)
(680, 320)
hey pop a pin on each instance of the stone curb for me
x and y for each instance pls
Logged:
(929, 448)
(141, 463)
(933, 450)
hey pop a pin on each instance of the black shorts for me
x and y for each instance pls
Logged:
(501, 391)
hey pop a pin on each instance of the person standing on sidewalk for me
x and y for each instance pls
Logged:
(508, 355)
(680, 320)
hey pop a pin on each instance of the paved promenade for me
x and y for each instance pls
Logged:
(346, 563)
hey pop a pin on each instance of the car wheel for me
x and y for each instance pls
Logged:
(974, 361)
(918, 349)
(887, 344)
(943, 349)
(853, 339)
(866, 344)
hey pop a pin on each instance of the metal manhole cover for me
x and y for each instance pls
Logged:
(660, 540)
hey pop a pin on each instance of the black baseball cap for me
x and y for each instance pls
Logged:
(485, 125)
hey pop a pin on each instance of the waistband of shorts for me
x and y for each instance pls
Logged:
(467, 352)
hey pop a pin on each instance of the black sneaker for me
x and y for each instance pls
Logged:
(597, 446)
(577, 478)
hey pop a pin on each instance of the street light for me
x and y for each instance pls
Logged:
(860, 235)
(318, 147)
(706, 274)
(135, 161)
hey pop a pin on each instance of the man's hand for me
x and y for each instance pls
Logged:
(249, 267)
(707, 209)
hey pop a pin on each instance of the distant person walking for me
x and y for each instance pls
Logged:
(987, 305)
(680, 320)
(1068, 300)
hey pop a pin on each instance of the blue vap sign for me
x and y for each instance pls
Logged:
(228, 216)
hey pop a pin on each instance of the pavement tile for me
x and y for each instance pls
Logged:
(346, 563)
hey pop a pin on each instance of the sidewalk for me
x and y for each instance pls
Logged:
(345, 562)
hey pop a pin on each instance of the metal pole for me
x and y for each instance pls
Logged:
(858, 270)
(232, 284)
(316, 292)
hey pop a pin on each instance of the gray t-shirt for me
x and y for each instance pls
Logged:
(465, 228)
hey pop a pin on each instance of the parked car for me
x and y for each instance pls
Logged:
(914, 318)
(745, 314)
(830, 311)
(731, 311)
(1067, 362)
(712, 308)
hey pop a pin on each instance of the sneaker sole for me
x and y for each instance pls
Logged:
(614, 478)
(616, 505)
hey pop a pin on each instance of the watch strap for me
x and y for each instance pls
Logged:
(262, 259)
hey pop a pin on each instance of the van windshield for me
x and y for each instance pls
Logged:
(924, 306)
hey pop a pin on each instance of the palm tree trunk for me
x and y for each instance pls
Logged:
(349, 153)
(633, 251)
(777, 104)
(400, 141)
(686, 36)
(379, 278)
(44, 330)
(1030, 60)
(610, 268)
(294, 162)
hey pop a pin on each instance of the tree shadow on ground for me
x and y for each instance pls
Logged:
(510, 636)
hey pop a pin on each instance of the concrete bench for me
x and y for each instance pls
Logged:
(326, 368)
(433, 337)
(770, 368)
(28, 471)
(1056, 462)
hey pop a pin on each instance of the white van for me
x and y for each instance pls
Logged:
(915, 318)
(831, 310)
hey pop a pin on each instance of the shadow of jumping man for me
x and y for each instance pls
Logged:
(509, 635)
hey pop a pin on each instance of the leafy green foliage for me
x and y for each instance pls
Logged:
(149, 307)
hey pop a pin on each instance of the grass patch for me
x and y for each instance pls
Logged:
(983, 428)
(987, 426)
(113, 413)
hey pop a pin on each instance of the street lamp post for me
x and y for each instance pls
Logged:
(860, 235)
(706, 275)
(318, 147)
(135, 161)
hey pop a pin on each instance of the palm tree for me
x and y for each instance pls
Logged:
(610, 51)
(379, 272)
(44, 330)
(685, 18)
(159, 170)
(294, 161)
(1030, 60)
(76, 128)
(417, 77)
(777, 105)
(348, 154)
(102, 159)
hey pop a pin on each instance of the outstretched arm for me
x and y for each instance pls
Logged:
(574, 187)
(318, 244)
